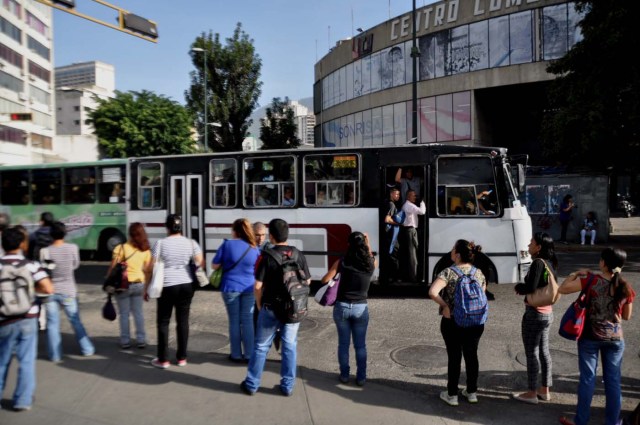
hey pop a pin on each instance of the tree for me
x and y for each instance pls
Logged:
(232, 87)
(278, 128)
(141, 124)
(594, 118)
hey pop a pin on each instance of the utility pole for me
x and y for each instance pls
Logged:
(414, 84)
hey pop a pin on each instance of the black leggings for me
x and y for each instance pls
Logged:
(461, 342)
(178, 296)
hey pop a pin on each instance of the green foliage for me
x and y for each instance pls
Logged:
(232, 85)
(141, 124)
(278, 128)
(594, 119)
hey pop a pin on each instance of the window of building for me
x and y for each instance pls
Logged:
(12, 6)
(12, 135)
(37, 24)
(10, 30)
(40, 95)
(76, 122)
(39, 48)
(150, 182)
(269, 182)
(222, 175)
(40, 72)
(331, 180)
(11, 56)
(76, 108)
(10, 82)
(40, 141)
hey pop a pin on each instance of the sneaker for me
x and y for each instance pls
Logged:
(182, 363)
(160, 365)
(142, 345)
(592, 243)
(285, 392)
(582, 243)
(451, 400)
(245, 389)
(125, 346)
(21, 408)
(471, 397)
(343, 379)
(361, 382)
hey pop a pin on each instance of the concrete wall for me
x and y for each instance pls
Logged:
(590, 193)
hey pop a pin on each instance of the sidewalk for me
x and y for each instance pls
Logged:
(406, 372)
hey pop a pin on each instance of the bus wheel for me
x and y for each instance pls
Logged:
(109, 239)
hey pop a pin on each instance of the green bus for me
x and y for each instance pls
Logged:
(89, 197)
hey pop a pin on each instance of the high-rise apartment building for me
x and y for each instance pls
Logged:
(305, 121)
(26, 52)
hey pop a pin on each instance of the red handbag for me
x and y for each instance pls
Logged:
(573, 320)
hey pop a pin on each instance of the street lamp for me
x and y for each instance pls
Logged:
(204, 93)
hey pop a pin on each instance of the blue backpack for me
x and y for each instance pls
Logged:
(470, 305)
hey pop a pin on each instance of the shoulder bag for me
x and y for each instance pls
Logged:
(548, 294)
(198, 274)
(328, 293)
(154, 290)
(216, 276)
(108, 310)
(573, 320)
(118, 279)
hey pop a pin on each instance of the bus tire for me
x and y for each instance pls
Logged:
(109, 239)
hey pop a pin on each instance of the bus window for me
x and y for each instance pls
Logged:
(270, 182)
(331, 180)
(80, 185)
(150, 182)
(15, 187)
(222, 175)
(45, 186)
(111, 184)
(466, 186)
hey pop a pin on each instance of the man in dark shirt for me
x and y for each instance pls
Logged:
(389, 254)
(268, 289)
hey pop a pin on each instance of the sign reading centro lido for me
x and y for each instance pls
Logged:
(446, 12)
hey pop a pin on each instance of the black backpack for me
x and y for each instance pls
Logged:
(292, 299)
(42, 240)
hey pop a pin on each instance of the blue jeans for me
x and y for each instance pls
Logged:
(268, 324)
(611, 352)
(130, 301)
(352, 320)
(240, 312)
(20, 337)
(54, 341)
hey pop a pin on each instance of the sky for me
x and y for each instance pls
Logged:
(290, 36)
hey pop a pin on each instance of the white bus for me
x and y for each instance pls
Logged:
(340, 190)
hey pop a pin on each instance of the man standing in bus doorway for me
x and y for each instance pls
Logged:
(409, 236)
(41, 237)
(408, 182)
(389, 268)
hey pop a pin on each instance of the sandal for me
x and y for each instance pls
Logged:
(520, 397)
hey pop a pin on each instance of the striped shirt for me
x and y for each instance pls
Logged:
(66, 257)
(175, 252)
(38, 274)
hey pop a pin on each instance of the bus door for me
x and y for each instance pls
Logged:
(411, 176)
(185, 199)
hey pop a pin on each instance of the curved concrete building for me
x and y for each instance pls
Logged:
(480, 75)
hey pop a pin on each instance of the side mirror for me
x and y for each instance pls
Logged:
(521, 178)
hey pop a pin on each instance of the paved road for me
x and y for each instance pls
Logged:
(407, 369)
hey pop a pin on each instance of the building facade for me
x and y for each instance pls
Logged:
(26, 82)
(480, 75)
(77, 87)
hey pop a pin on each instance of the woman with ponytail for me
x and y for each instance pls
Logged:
(610, 302)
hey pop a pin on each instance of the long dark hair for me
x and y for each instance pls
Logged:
(614, 258)
(467, 250)
(173, 224)
(358, 255)
(243, 229)
(547, 248)
(138, 236)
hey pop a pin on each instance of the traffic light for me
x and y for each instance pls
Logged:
(140, 25)
(21, 116)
